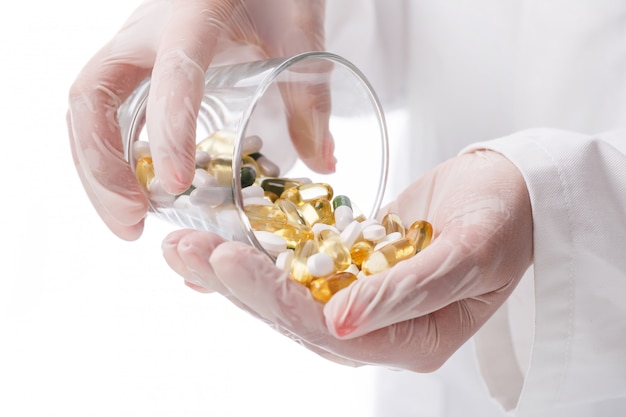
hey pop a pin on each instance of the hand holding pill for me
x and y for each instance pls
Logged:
(413, 315)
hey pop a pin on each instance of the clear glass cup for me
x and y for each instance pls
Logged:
(248, 99)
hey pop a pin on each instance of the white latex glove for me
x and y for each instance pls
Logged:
(413, 316)
(174, 42)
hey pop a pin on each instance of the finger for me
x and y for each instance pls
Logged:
(177, 87)
(96, 143)
(187, 252)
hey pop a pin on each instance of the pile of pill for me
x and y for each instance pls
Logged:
(322, 239)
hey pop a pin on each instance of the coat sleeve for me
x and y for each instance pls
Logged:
(576, 353)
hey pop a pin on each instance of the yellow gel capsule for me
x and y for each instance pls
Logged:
(309, 192)
(421, 233)
(322, 289)
(330, 242)
(360, 251)
(145, 171)
(268, 218)
(393, 223)
(291, 210)
(317, 211)
(299, 270)
(294, 234)
(278, 186)
(222, 169)
(388, 256)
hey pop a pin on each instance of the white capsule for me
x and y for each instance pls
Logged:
(251, 144)
(252, 191)
(351, 233)
(141, 149)
(343, 216)
(203, 158)
(202, 179)
(374, 233)
(318, 227)
(320, 264)
(284, 260)
(269, 168)
(272, 243)
(208, 196)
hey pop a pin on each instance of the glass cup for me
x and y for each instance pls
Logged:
(278, 108)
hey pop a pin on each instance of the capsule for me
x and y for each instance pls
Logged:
(294, 234)
(393, 223)
(322, 289)
(360, 251)
(219, 143)
(317, 211)
(268, 168)
(221, 167)
(302, 252)
(388, 256)
(145, 171)
(309, 192)
(248, 176)
(342, 210)
(262, 217)
(278, 186)
(291, 211)
(330, 242)
(421, 233)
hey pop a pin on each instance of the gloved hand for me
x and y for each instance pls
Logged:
(174, 42)
(414, 315)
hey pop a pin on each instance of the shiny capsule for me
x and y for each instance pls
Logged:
(330, 242)
(145, 171)
(264, 217)
(393, 223)
(317, 211)
(277, 186)
(299, 270)
(294, 234)
(421, 233)
(360, 251)
(388, 256)
(322, 289)
(309, 192)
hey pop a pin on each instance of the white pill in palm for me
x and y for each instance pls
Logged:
(272, 243)
(320, 264)
(374, 233)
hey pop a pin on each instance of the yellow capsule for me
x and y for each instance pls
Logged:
(221, 168)
(294, 234)
(291, 210)
(388, 256)
(317, 211)
(393, 223)
(330, 242)
(322, 289)
(278, 185)
(145, 171)
(421, 233)
(270, 196)
(309, 192)
(360, 251)
(268, 218)
(299, 270)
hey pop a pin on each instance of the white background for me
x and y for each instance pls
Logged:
(91, 325)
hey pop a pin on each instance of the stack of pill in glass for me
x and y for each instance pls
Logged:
(321, 239)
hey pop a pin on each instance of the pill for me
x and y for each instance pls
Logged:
(202, 179)
(260, 201)
(330, 242)
(322, 289)
(278, 185)
(392, 223)
(219, 143)
(351, 233)
(318, 227)
(374, 233)
(308, 192)
(342, 209)
(299, 270)
(284, 260)
(353, 269)
(388, 256)
(271, 242)
(268, 168)
(252, 191)
(294, 234)
(360, 251)
(421, 233)
(144, 171)
(291, 210)
(320, 264)
(264, 217)
(317, 211)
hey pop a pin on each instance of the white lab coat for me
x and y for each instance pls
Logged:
(480, 74)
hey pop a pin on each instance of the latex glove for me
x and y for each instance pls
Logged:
(174, 42)
(415, 315)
